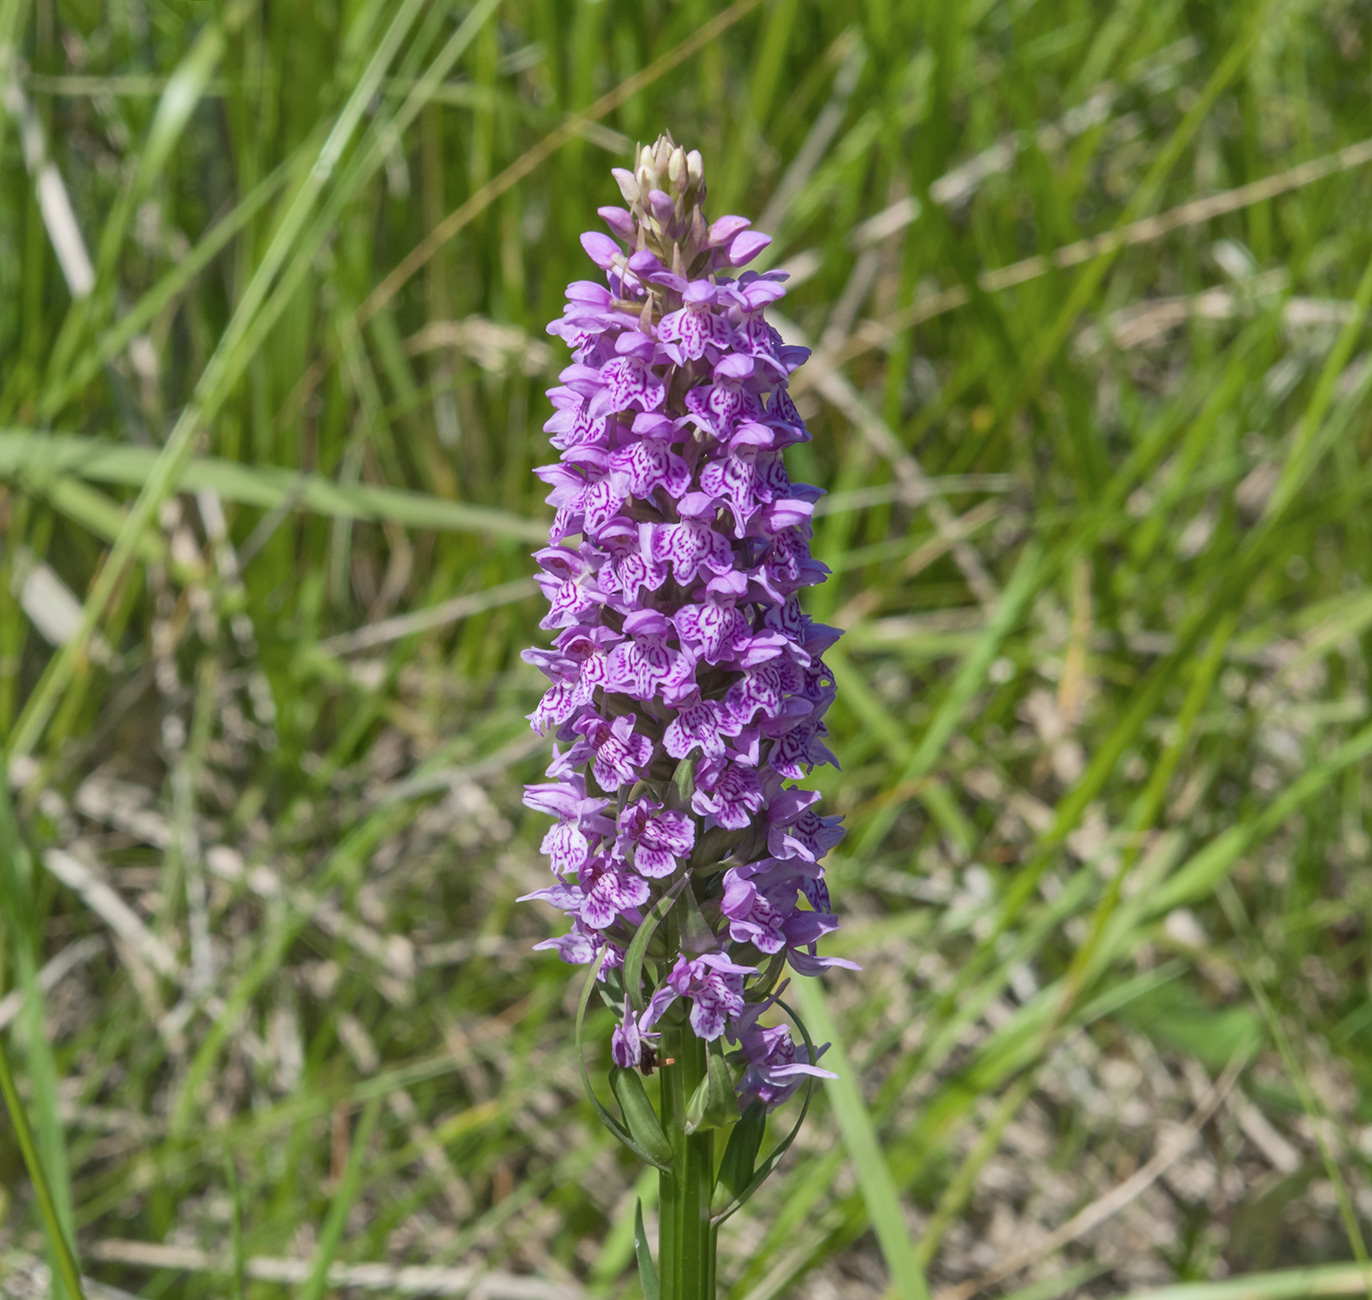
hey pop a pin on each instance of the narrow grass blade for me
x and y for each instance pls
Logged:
(66, 1260)
(1203, 872)
(869, 1164)
(183, 92)
(332, 1234)
(91, 510)
(224, 367)
(571, 129)
(263, 486)
(970, 677)
(17, 915)
(1255, 24)
(64, 386)
(959, 1190)
(1315, 1111)
(235, 1227)
(1331, 1279)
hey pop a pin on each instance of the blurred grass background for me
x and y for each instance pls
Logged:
(1087, 286)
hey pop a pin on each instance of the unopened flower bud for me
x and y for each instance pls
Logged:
(628, 186)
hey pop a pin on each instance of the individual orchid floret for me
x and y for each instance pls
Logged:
(714, 986)
(630, 1039)
(660, 838)
(616, 750)
(776, 1065)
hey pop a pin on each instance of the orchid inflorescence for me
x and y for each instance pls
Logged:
(687, 684)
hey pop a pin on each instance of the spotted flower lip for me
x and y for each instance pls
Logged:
(660, 837)
(686, 685)
(714, 985)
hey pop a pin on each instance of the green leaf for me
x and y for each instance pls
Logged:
(764, 1170)
(647, 1270)
(66, 1260)
(740, 1156)
(1176, 1016)
(1330, 1279)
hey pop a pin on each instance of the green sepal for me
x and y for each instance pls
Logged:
(639, 1115)
(714, 1103)
(736, 1169)
(602, 1111)
(647, 1271)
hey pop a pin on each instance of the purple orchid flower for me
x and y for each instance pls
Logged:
(776, 1065)
(687, 687)
(714, 985)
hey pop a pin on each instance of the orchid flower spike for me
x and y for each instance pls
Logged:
(687, 685)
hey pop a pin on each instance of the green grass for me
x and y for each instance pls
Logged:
(1091, 403)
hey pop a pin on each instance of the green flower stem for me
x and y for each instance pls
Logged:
(669, 1184)
(686, 1240)
(711, 1258)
